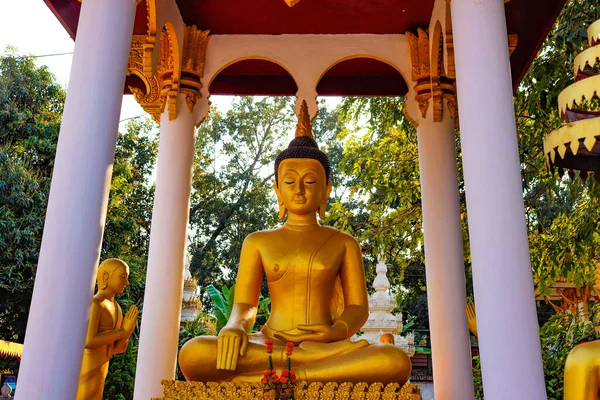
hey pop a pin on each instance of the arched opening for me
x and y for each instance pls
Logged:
(254, 77)
(362, 76)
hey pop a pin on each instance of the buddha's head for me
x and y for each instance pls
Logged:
(302, 173)
(113, 275)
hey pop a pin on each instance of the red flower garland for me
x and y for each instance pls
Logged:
(284, 386)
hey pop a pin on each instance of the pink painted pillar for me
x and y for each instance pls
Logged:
(62, 294)
(509, 340)
(444, 261)
(159, 337)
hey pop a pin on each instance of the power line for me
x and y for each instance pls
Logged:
(44, 55)
(127, 119)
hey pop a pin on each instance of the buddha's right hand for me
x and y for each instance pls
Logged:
(231, 343)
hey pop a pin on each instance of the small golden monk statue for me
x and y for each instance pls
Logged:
(471, 318)
(582, 367)
(108, 331)
(316, 281)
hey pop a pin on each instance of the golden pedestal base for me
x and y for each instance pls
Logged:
(179, 390)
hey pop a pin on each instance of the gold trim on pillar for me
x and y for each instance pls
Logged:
(432, 81)
(175, 73)
(195, 42)
(428, 73)
(291, 3)
(513, 41)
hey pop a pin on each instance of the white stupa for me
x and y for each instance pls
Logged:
(191, 305)
(381, 320)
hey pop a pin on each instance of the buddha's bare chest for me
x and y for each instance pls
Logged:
(317, 256)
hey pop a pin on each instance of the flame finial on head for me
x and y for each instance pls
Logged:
(304, 127)
(303, 145)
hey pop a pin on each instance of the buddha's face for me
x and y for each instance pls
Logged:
(119, 279)
(302, 186)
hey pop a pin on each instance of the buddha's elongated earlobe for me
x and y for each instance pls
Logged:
(322, 209)
(323, 205)
(282, 211)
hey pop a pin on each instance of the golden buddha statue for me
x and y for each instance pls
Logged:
(108, 331)
(316, 281)
(471, 318)
(582, 367)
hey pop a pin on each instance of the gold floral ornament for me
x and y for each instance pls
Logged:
(432, 81)
(178, 70)
(574, 146)
(179, 390)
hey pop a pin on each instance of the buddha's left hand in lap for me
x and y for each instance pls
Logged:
(316, 333)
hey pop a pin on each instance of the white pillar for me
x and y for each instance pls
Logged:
(157, 354)
(444, 261)
(70, 250)
(509, 340)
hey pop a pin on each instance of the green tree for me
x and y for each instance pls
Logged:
(562, 214)
(31, 104)
(232, 192)
(559, 336)
(23, 197)
(30, 109)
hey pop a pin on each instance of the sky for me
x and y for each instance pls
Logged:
(30, 26)
(41, 34)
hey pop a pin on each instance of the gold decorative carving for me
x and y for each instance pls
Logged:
(430, 83)
(423, 102)
(419, 54)
(412, 121)
(452, 104)
(179, 390)
(174, 74)
(292, 3)
(151, 18)
(194, 53)
(513, 41)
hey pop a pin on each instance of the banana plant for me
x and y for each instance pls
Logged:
(222, 302)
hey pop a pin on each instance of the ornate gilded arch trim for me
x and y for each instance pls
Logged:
(429, 75)
(178, 70)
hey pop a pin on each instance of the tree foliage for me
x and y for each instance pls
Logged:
(384, 210)
(559, 336)
(232, 193)
(30, 109)
(22, 210)
(562, 214)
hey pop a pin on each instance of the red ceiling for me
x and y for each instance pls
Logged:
(531, 20)
(308, 16)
